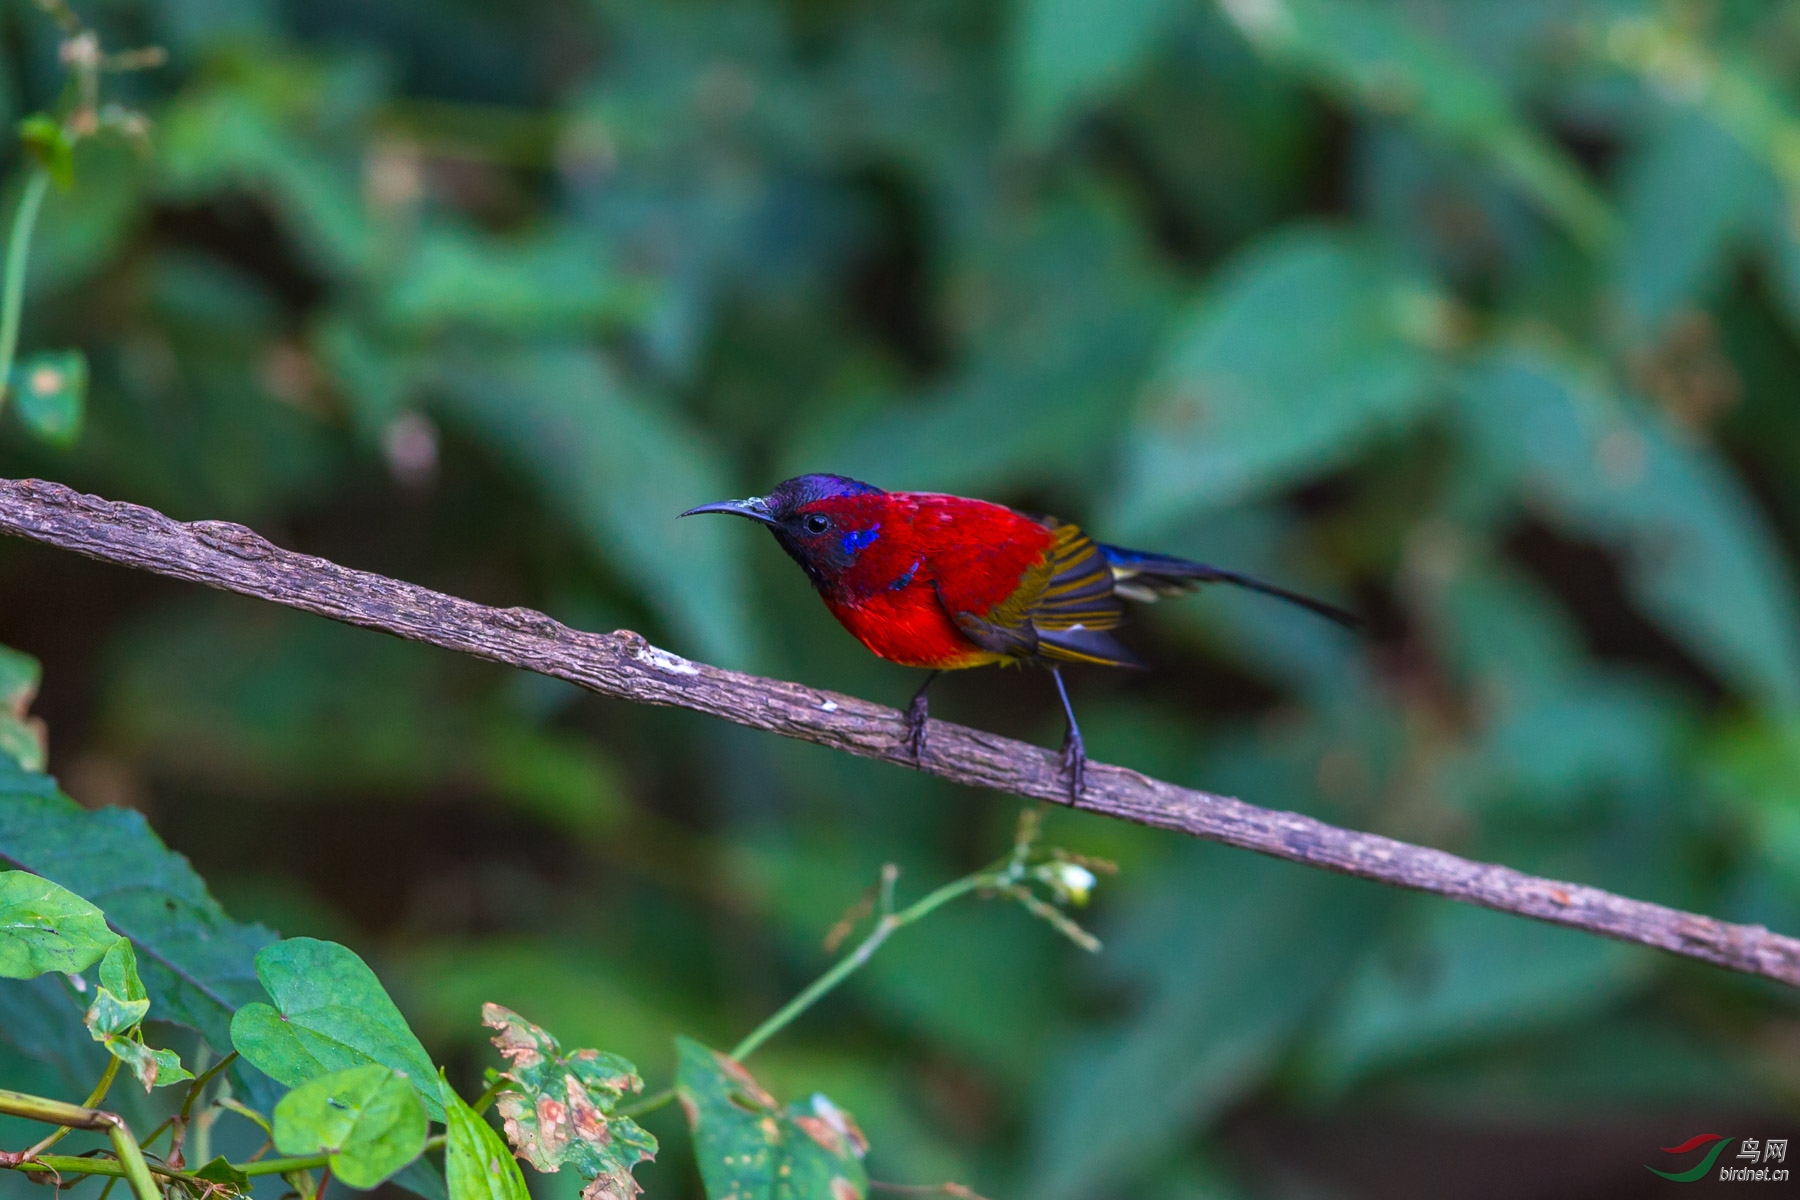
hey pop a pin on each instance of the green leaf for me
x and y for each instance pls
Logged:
(119, 973)
(110, 1014)
(1376, 58)
(1308, 347)
(84, 231)
(477, 1165)
(48, 144)
(233, 135)
(1697, 554)
(19, 677)
(1693, 197)
(535, 286)
(751, 1148)
(44, 927)
(1069, 52)
(23, 742)
(1725, 148)
(1469, 977)
(619, 467)
(153, 1068)
(1072, 308)
(369, 1119)
(50, 391)
(1753, 769)
(21, 737)
(561, 1111)
(220, 1171)
(330, 1013)
(195, 961)
(116, 1015)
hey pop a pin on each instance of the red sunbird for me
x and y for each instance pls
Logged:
(944, 583)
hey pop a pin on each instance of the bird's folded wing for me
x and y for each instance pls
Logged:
(1013, 641)
(1080, 588)
(1078, 606)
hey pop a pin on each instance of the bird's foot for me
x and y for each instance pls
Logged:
(916, 715)
(1074, 764)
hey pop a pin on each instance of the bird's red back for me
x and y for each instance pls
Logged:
(920, 556)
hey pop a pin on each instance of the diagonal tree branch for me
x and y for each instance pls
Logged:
(624, 665)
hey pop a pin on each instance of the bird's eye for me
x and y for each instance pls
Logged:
(817, 523)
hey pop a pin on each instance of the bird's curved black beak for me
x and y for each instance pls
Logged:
(756, 508)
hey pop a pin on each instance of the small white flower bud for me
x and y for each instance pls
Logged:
(1072, 883)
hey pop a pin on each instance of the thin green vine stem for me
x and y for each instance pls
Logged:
(648, 1104)
(281, 1166)
(187, 1105)
(132, 1166)
(93, 1101)
(68, 1164)
(129, 1166)
(487, 1096)
(18, 251)
(131, 1157)
(848, 965)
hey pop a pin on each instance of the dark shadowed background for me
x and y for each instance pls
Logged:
(1481, 316)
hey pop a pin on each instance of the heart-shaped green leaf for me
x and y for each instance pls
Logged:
(369, 1119)
(330, 1013)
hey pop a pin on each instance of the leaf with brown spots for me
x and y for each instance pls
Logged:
(750, 1148)
(561, 1109)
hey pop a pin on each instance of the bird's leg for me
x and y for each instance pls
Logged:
(1074, 751)
(916, 712)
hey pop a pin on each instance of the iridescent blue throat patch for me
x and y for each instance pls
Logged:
(857, 539)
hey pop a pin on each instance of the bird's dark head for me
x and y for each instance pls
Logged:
(824, 522)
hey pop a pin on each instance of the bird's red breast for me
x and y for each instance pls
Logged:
(922, 556)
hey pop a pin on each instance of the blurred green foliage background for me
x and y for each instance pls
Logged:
(1480, 315)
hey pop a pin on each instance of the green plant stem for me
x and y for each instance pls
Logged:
(93, 1100)
(18, 250)
(131, 1158)
(885, 925)
(187, 1104)
(130, 1165)
(66, 1164)
(848, 965)
(309, 1162)
(648, 1104)
(487, 1097)
(104, 1086)
(281, 1166)
(53, 1112)
(206, 1077)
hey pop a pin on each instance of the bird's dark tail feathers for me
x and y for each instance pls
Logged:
(1141, 575)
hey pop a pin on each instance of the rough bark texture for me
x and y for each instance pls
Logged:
(623, 664)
